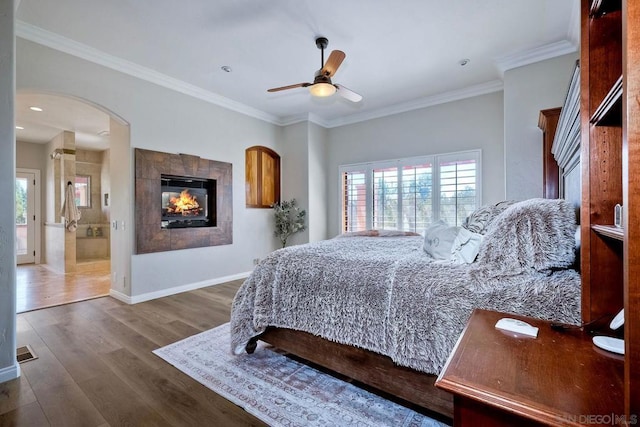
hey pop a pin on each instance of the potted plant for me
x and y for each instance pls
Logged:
(289, 219)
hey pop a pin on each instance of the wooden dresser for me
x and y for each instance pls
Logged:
(559, 378)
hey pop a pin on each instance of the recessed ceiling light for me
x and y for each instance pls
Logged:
(35, 109)
(464, 62)
(226, 68)
(19, 128)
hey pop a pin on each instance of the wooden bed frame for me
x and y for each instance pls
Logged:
(370, 368)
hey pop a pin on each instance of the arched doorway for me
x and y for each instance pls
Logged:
(71, 142)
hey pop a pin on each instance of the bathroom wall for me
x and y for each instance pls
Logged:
(92, 236)
(59, 245)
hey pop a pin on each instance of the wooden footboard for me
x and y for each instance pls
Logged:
(372, 369)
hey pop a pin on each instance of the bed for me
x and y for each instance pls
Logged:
(382, 310)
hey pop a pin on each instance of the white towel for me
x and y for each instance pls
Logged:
(69, 210)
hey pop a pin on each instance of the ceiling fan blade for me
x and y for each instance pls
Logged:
(333, 62)
(277, 89)
(348, 94)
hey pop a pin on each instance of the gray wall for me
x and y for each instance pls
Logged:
(168, 121)
(31, 156)
(456, 126)
(294, 157)
(318, 176)
(9, 368)
(527, 90)
(304, 176)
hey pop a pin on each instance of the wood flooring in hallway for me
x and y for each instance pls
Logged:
(38, 287)
(95, 366)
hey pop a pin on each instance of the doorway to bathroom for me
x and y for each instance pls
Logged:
(67, 140)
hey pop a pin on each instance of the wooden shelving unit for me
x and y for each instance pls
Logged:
(610, 161)
(609, 231)
(601, 160)
(609, 112)
(602, 7)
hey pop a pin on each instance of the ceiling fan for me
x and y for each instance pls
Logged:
(322, 85)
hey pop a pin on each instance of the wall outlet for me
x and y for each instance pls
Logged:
(256, 261)
(124, 282)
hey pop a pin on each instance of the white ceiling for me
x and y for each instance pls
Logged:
(399, 55)
(91, 125)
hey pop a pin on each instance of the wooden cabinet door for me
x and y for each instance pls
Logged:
(262, 177)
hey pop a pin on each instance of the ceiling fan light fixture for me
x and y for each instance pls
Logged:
(322, 90)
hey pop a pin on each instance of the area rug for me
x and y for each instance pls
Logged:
(281, 391)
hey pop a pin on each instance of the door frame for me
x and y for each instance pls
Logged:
(37, 212)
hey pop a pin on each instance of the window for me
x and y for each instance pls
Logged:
(409, 194)
(458, 194)
(83, 191)
(354, 201)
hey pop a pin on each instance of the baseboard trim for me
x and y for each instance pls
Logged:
(175, 290)
(10, 373)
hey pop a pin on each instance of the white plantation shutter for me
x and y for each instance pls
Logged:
(385, 198)
(409, 194)
(458, 195)
(416, 197)
(354, 203)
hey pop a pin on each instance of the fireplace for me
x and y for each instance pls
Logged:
(187, 202)
(201, 213)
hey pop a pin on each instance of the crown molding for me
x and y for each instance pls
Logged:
(80, 50)
(55, 41)
(304, 117)
(429, 101)
(536, 54)
(314, 118)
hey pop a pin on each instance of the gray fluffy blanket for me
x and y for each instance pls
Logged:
(385, 294)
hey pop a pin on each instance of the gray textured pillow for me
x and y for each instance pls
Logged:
(536, 234)
(480, 219)
(438, 240)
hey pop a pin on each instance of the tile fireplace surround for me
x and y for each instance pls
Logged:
(150, 237)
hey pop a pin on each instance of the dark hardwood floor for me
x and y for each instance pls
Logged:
(95, 366)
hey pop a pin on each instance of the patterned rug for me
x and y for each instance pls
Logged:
(281, 391)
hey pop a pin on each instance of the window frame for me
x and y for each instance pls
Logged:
(435, 160)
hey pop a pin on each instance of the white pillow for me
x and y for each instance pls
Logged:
(438, 240)
(465, 247)
(454, 244)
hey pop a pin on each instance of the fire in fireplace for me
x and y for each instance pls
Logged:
(183, 204)
(187, 202)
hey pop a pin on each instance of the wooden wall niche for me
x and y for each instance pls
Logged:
(262, 177)
(548, 122)
(150, 237)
